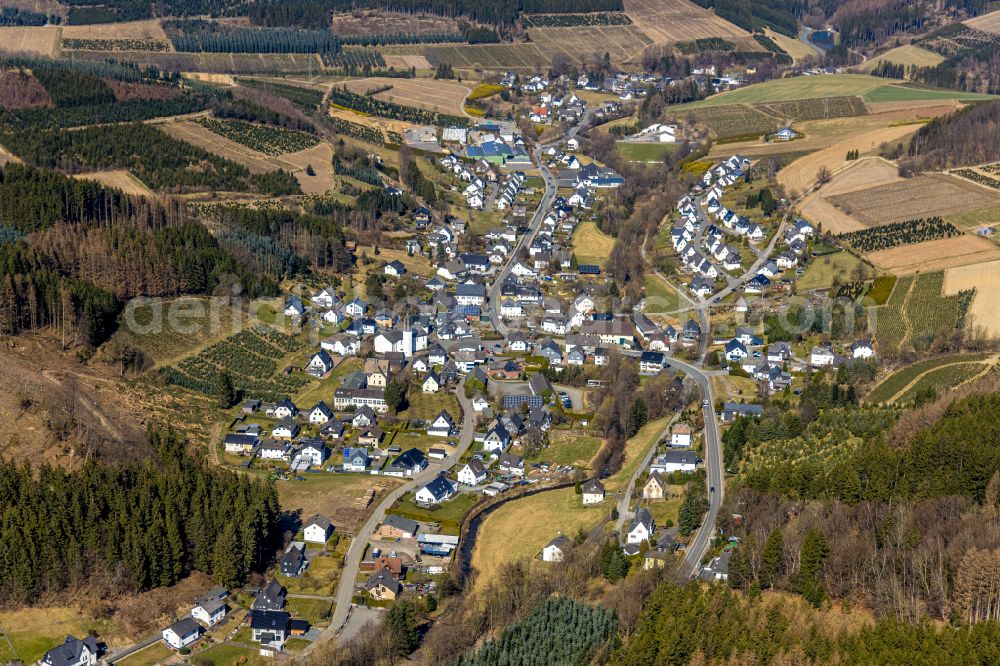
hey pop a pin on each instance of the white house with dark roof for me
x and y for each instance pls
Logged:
(182, 633)
(317, 529)
(72, 652)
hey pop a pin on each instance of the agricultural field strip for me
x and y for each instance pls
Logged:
(922, 196)
(941, 379)
(899, 381)
(264, 139)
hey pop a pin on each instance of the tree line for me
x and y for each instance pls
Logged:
(963, 138)
(713, 625)
(131, 527)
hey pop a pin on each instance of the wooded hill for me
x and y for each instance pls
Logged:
(963, 138)
(121, 529)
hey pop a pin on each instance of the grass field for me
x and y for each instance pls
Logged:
(987, 22)
(799, 87)
(660, 296)
(121, 179)
(570, 447)
(984, 312)
(521, 528)
(317, 611)
(337, 496)
(800, 175)
(428, 405)
(149, 656)
(645, 152)
(440, 96)
(590, 245)
(897, 382)
(857, 175)
(41, 41)
(669, 21)
(225, 654)
(895, 93)
(322, 574)
(828, 270)
(33, 631)
(906, 55)
(870, 88)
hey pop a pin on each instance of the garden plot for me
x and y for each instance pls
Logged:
(922, 196)
(671, 21)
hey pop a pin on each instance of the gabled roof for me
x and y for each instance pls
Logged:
(384, 578)
(69, 652)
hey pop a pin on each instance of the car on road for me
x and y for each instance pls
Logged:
(712, 489)
(704, 403)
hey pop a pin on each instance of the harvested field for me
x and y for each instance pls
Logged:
(197, 135)
(858, 175)
(985, 279)
(397, 126)
(793, 47)
(987, 22)
(906, 55)
(121, 179)
(671, 21)
(406, 61)
(579, 45)
(624, 42)
(800, 175)
(150, 29)
(43, 41)
(440, 96)
(911, 198)
(320, 157)
(205, 77)
(375, 22)
(935, 255)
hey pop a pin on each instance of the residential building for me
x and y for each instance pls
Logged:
(182, 633)
(593, 492)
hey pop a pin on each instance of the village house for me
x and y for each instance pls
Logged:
(72, 652)
(317, 529)
(383, 585)
(654, 488)
(472, 473)
(680, 435)
(593, 492)
(182, 633)
(555, 550)
(641, 527)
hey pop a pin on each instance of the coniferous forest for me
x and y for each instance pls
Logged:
(131, 527)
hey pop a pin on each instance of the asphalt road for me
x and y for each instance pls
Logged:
(526, 239)
(551, 185)
(713, 466)
(352, 561)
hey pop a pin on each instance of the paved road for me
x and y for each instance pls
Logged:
(551, 185)
(713, 465)
(526, 239)
(352, 561)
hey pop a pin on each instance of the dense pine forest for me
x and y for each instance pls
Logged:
(128, 528)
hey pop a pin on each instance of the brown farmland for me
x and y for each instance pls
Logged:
(911, 198)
